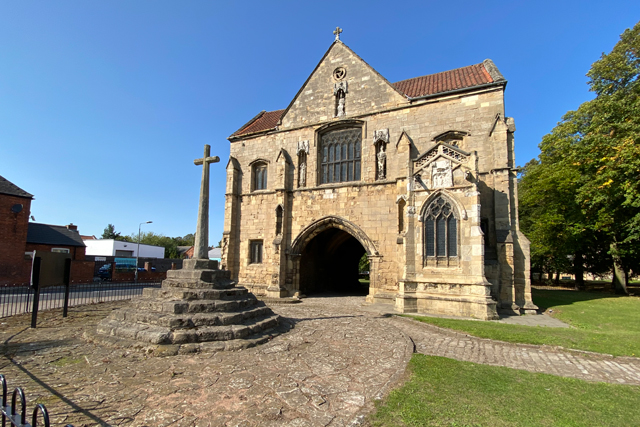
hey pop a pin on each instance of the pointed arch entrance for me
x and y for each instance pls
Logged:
(325, 257)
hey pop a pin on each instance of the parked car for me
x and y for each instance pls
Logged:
(142, 269)
(104, 272)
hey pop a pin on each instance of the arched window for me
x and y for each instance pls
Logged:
(340, 152)
(451, 137)
(401, 205)
(279, 220)
(259, 179)
(440, 230)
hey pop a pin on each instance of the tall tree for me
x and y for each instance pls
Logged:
(592, 158)
(609, 155)
(110, 232)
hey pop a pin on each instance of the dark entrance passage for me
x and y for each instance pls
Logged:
(329, 263)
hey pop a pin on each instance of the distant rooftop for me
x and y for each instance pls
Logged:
(7, 187)
(46, 234)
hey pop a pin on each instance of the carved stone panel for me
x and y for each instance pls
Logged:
(441, 176)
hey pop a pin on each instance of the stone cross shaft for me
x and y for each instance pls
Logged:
(201, 246)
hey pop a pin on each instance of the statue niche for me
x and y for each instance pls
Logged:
(340, 92)
(380, 140)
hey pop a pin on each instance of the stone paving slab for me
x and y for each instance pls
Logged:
(327, 371)
(340, 357)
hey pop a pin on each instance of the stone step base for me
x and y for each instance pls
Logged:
(162, 335)
(194, 294)
(193, 306)
(198, 284)
(176, 321)
(161, 350)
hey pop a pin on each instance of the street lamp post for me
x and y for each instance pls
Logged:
(138, 250)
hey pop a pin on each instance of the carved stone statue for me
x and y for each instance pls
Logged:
(303, 147)
(302, 181)
(340, 112)
(441, 176)
(382, 163)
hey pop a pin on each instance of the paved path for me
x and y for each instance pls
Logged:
(434, 341)
(340, 357)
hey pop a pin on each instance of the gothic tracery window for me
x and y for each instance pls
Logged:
(440, 230)
(340, 153)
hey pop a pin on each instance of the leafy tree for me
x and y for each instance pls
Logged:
(187, 240)
(150, 238)
(609, 154)
(363, 264)
(110, 232)
(581, 201)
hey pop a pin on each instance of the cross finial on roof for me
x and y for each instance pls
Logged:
(337, 32)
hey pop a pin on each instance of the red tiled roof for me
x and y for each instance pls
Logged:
(460, 78)
(432, 84)
(263, 121)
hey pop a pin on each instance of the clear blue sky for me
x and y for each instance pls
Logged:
(105, 104)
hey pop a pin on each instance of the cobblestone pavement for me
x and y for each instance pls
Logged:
(327, 371)
(434, 341)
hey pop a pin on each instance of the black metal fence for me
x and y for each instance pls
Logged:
(19, 419)
(18, 299)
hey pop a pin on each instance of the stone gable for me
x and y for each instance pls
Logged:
(367, 91)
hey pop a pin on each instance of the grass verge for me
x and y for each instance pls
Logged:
(445, 392)
(603, 323)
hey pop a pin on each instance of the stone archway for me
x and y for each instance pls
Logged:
(325, 255)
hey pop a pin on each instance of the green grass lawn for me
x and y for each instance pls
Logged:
(603, 322)
(444, 392)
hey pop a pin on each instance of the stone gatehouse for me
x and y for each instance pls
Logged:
(418, 175)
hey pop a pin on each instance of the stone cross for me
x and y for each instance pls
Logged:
(337, 32)
(201, 245)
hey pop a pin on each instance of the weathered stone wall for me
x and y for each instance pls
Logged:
(367, 91)
(487, 198)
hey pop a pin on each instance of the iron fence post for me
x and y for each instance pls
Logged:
(67, 279)
(36, 291)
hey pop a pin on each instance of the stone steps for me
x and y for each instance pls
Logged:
(193, 306)
(172, 321)
(171, 293)
(197, 309)
(154, 334)
(198, 284)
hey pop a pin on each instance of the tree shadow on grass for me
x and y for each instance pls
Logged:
(546, 298)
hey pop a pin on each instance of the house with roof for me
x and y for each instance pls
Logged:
(418, 176)
(15, 209)
(56, 238)
(62, 239)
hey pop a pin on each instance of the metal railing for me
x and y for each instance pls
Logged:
(18, 299)
(10, 413)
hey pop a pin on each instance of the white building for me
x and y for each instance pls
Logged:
(117, 248)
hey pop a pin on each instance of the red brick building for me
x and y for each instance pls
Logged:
(15, 208)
